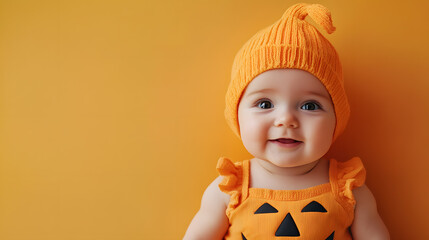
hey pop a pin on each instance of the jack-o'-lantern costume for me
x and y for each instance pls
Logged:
(321, 212)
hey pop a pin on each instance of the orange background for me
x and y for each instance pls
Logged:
(112, 111)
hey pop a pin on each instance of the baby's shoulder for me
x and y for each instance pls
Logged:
(213, 195)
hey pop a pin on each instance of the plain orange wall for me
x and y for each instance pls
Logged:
(112, 111)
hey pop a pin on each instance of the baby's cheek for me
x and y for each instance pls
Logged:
(258, 131)
(324, 138)
(253, 136)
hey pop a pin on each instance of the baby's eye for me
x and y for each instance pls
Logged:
(265, 104)
(311, 106)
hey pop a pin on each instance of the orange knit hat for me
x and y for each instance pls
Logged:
(291, 42)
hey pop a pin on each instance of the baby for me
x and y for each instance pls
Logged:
(286, 102)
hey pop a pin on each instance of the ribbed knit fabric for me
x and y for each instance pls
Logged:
(291, 42)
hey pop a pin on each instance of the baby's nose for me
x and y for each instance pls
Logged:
(286, 118)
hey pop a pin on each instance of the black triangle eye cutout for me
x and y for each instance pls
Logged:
(266, 208)
(331, 237)
(314, 207)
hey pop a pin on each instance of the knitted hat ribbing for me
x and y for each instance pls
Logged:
(291, 42)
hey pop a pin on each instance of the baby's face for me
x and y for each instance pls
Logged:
(286, 117)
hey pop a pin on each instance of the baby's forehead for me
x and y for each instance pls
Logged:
(286, 79)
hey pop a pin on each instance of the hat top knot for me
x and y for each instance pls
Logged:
(320, 14)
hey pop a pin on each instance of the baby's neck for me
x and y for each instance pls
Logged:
(266, 175)
(286, 171)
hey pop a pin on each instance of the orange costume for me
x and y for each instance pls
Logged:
(322, 212)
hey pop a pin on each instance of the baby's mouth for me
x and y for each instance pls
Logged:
(286, 140)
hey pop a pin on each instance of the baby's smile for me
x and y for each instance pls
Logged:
(286, 142)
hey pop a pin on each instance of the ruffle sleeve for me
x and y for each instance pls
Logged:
(232, 181)
(348, 175)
